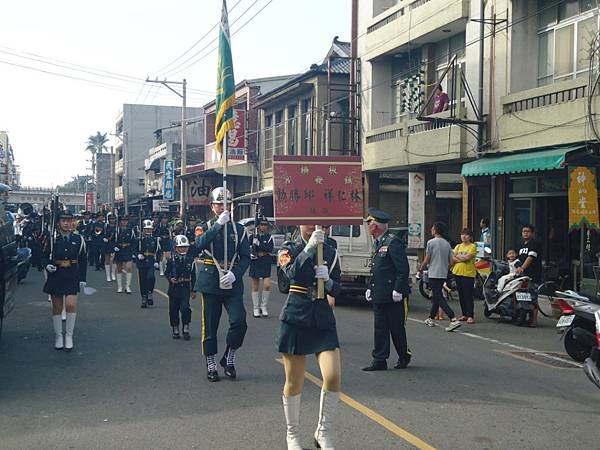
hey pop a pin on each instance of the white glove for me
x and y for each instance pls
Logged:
(156, 265)
(228, 278)
(317, 236)
(82, 284)
(368, 295)
(105, 240)
(50, 268)
(322, 272)
(255, 241)
(396, 296)
(140, 256)
(224, 218)
(117, 249)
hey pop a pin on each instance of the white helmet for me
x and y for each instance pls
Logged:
(216, 196)
(181, 241)
(147, 224)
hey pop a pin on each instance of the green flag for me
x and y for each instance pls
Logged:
(225, 84)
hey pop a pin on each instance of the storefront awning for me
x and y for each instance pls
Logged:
(549, 159)
(254, 195)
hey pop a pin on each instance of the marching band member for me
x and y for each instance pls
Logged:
(260, 267)
(147, 261)
(110, 231)
(181, 274)
(124, 248)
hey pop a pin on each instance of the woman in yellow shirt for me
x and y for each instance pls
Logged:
(464, 272)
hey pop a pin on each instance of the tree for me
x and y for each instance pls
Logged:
(96, 144)
(78, 183)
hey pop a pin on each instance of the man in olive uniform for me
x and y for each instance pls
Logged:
(388, 291)
(220, 283)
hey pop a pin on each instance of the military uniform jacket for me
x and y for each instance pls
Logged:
(85, 229)
(300, 307)
(389, 269)
(264, 248)
(183, 270)
(98, 230)
(149, 246)
(110, 233)
(68, 256)
(125, 242)
(210, 247)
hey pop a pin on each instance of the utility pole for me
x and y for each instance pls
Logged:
(182, 183)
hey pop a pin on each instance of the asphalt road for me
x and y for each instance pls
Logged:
(129, 385)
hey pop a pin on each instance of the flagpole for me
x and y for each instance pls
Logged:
(224, 156)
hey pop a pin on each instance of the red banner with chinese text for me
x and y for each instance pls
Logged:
(317, 190)
(89, 201)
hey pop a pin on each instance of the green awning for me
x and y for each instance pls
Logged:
(549, 159)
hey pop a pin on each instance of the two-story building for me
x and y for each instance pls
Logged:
(309, 115)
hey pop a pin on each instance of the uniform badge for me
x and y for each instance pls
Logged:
(283, 257)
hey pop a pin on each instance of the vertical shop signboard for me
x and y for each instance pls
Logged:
(416, 210)
(583, 198)
(169, 180)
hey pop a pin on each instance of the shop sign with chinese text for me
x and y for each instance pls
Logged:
(236, 144)
(416, 210)
(169, 180)
(89, 201)
(198, 192)
(317, 190)
(583, 198)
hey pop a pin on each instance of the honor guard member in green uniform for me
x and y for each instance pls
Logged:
(308, 327)
(260, 267)
(147, 262)
(65, 259)
(220, 287)
(388, 291)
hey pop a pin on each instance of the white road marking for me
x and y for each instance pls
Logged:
(509, 345)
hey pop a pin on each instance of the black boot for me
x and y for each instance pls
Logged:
(403, 362)
(144, 302)
(176, 332)
(150, 300)
(186, 332)
(375, 365)
(229, 369)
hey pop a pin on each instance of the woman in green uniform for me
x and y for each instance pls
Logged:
(308, 327)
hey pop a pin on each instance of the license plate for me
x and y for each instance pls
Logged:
(565, 321)
(523, 296)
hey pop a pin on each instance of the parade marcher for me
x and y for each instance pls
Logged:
(328, 239)
(260, 268)
(181, 273)
(124, 250)
(65, 260)
(388, 291)
(220, 283)
(163, 232)
(147, 262)
(98, 242)
(110, 232)
(308, 327)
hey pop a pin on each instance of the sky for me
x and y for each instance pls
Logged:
(114, 45)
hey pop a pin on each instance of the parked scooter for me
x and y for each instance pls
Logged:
(591, 366)
(450, 289)
(508, 295)
(577, 323)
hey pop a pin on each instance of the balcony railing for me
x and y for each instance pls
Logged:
(546, 96)
(405, 128)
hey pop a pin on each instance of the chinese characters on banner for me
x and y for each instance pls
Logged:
(416, 210)
(198, 192)
(169, 180)
(583, 198)
(89, 201)
(317, 190)
(236, 144)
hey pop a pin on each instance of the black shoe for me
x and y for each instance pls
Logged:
(229, 370)
(212, 375)
(402, 363)
(375, 365)
(176, 333)
(144, 303)
(150, 301)
(186, 336)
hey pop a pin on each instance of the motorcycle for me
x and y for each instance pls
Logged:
(577, 323)
(591, 366)
(508, 294)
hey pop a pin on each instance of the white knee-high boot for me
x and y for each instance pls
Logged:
(69, 327)
(291, 409)
(264, 303)
(327, 408)
(128, 282)
(64, 311)
(113, 271)
(161, 265)
(58, 332)
(107, 270)
(119, 279)
(255, 304)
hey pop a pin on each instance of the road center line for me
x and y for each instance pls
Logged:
(374, 416)
(508, 344)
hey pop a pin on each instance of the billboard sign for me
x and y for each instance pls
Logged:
(169, 180)
(317, 190)
(198, 192)
(89, 201)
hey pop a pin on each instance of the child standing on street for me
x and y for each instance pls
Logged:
(181, 273)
